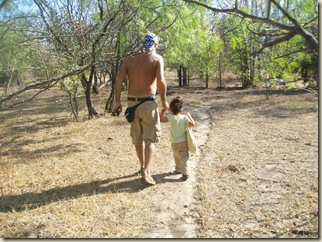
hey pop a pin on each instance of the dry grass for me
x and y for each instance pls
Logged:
(257, 174)
(262, 181)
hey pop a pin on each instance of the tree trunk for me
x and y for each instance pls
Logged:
(184, 70)
(251, 71)
(188, 80)
(110, 101)
(207, 79)
(220, 71)
(95, 86)
(180, 76)
(90, 108)
(114, 71)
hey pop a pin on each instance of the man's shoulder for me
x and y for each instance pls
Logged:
(131, 57)
(158, 56)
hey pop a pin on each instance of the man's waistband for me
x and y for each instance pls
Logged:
(138, 99)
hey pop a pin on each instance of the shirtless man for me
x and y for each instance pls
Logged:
(145, 75)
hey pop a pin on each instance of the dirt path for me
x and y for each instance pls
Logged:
(177, 218)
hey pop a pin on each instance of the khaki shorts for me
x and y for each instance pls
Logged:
(146, 126)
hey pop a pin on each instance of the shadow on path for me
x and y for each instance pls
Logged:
(33, 200)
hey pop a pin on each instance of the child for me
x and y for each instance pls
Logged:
(178, 125)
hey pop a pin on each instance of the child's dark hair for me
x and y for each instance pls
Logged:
(176, 105)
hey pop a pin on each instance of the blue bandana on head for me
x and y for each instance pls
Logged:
(150, 40)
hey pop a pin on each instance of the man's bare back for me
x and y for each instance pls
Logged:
(143, 70)
(145, 73)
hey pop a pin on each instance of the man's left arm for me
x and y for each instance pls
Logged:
(161, 83)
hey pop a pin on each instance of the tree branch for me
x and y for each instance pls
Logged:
(42, 10)
(309, 38)
(44, 85)
(296, 28)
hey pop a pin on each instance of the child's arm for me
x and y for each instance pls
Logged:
(163, 118)
(192, 123)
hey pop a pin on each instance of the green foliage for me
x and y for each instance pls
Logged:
(189, 43)
(73, 34)
(14, 56)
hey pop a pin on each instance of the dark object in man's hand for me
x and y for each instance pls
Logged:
(116, 112)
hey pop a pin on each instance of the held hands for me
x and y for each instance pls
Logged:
(164, 109)
(163, 118)
(165, 106)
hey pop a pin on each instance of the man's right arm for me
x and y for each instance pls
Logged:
(118, 87)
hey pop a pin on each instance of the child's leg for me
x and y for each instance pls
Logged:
(177, 157)
(184, 153)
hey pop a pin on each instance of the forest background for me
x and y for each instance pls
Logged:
(79, 46)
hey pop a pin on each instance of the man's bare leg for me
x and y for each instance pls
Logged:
(140, 153)
(148, 152)
(145, 153)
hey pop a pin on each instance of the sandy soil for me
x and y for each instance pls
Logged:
(255, 176)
